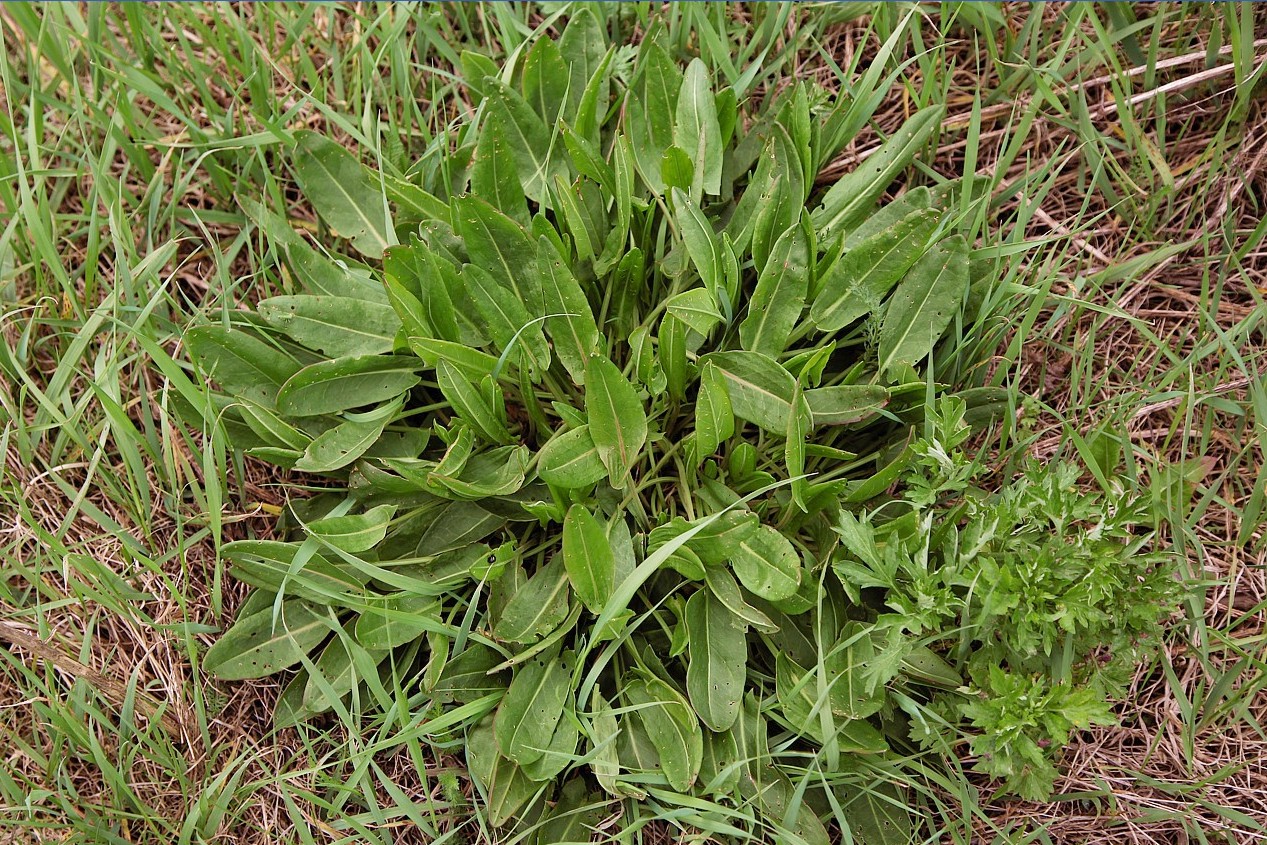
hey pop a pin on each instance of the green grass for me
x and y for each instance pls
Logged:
(127, 133)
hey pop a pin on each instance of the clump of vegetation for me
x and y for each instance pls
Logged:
(649, 488)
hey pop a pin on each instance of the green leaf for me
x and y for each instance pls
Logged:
(924, 304)
(878, 814)
(528, 137)
(696, 129)
(354, 533)
(651, 111)
(515, 332)
(617, 422)
(494, 172)
(767, 564)
(696, 308)
(481, 407)
(799, 422)
(528, 715)
(467, 676)
(537, 607)
(328, 387)
(472, 363)
(852, 692)
(241, 363)
(333, 325)
(397, 620)
(270, 565)
(343, 193)
(845, 403)
(506, 788)
(855, 284)
(414, 279)
(588, 558)
(497, 472)
(604, 757)
(586, 55)
(714, 418)
(560, 751)
(718, 665)
(672, 726)
(261, 644)
(671, 356)
(779, 298)
(723, 586)
(849, 199)
(340, 445)
(701, 242)
(760, 388)
(338, 671)
(570, 459)
(456, 526)
(545, 80)
(502, 248)
(571, 322)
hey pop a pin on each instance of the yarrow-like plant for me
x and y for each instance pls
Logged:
(617, 404)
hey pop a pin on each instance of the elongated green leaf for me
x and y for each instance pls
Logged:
(537, 607)
(502, 248)
(585, 52)
(533, 705)
(485, 413)
(799, 422)
(528, 137)
(338, 671)
(498, 472)
(696, 308)
(261, 644)
(779, 298)
(334, 325)
(696, 129)
(546, 80)
(342, 444)
(718, 668)
(241, 363)
(456, 526)
(767, 564)
(672, 726)
(855, 284)
(714, 417)
(397, 620)
(506, 788)
(269, 564)
(343, 193)
(571, 460)
(588, 558)
(571, 325)
(604, 756)
(760, 388)
(472, 363)
(560, 752)
(848, 200)
(328, 387)
(354, 532)
(617, 422)
(924, 304)
(509, 324)
(845, 403)
(723, 586)
(494, 172)
(651, 111)
(702, 244)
